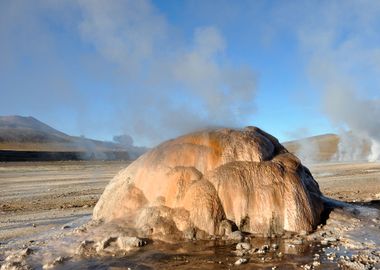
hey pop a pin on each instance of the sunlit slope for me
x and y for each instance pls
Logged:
(322, 147)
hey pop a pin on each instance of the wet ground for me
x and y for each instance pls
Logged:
(206, 255)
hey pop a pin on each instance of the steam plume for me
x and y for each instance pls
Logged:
(345, 67)
(161, 85)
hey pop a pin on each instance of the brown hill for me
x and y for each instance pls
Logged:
(28, 133)
(318, 148)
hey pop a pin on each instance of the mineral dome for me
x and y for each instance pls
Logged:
(214, 182)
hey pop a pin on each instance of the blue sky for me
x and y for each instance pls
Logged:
(157, 69)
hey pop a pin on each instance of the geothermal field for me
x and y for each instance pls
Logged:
(217, 199)
(193, 134)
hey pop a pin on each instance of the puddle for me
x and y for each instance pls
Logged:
(206, 255)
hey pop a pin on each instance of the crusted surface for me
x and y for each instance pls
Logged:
(245, 176)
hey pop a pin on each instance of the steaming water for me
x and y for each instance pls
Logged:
(204, 255)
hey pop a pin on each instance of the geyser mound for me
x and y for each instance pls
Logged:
(211, 183)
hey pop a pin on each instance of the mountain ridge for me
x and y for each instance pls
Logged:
(29, 135)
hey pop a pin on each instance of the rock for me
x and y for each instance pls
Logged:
(226, 227)
(241, 261)
(239, 252)
(275, 246)
(85, 248)
(15, 265)
(236, 235)
(17, 261)
(243, 246)
(261, 251)
(127, 242)
(58, 261)
(103, 244)
(80, 229)
(272, 191)
(331, 256)
(294, 241)
(331, 239)
(26, 251)
(324, 242)
(353, 265)
(64, 227)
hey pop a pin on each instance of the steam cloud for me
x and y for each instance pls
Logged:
(162, 87)
(339, 45)
(307, 150)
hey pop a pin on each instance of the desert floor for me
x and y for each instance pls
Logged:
(41, 197)
(37, 197)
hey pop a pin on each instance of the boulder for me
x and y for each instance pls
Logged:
(205, 180)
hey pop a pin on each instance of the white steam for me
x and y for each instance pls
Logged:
(146, 77)
(339, 42)
(171, 88)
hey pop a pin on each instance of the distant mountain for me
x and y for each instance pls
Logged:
(18, 133)
(316, 148)
(29, 130)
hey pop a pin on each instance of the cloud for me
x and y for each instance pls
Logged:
(160, 82)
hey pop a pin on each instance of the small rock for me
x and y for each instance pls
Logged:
(330, 239)
(53, 264)
(15, 265)
(85, 248)
(241, 261)
(297, 241)
(243, 246)
(27, 251)
(17, 261)
(64, 227)
(236, 235)
(103, 244)
(275, 246)
(238, 253)
(81, 229)
(261, 251)
(127, 242)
